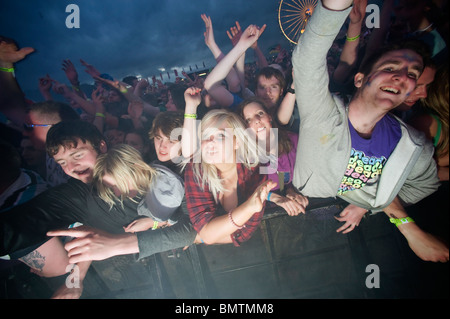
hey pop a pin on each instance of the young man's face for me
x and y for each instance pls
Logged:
(269, 89)
(78, 162)
(392, 80)
(166, 149)
(37, 134)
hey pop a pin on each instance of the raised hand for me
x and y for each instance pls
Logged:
(234, 34)
(71, 72)
(10, 54)
(62, 89)
(192, 97)
(135, 109)
(254, 46)
(250, 35)
(209, 33)
(358, 11)
(90, 69)
(45, 83)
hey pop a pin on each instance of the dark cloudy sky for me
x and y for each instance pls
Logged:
(123, 37)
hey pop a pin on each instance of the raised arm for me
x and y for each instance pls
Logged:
(72, 76)
(192, 97)
(129, 94)
(219, 73)
(231, 78)
(309, 59)
(12, 101)
(349, 55)
(286, 108)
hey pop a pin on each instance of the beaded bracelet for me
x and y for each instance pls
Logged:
(232, 221)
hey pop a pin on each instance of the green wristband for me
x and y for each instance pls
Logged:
(190, 116)
(400, 221)
(9, 70)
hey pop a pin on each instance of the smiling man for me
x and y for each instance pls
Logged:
(359, 151)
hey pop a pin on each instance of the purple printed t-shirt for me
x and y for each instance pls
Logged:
(368, 156)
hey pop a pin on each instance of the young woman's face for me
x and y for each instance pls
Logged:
(258, 120)
(165, 148)
(218, 145)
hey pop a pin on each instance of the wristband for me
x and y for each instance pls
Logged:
(400, 221)
(10, 70)
(155, 225)
(100, 114)
(353, 39)
(268, 196)
(232, 221)
(190, 116)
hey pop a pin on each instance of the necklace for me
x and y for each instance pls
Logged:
(423, 30)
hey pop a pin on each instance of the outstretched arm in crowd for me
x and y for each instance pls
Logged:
(349, 55)
(129, 94)
(286, 108)
(378, 35)
(45, 87)
(235, 34)
(231, 78)
(214, 79)
(70, 95)
(12, 100)
(72, 76)
(192, 97)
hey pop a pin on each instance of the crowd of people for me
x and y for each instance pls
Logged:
(355, 113)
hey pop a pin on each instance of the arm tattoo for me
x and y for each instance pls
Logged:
(34, 260)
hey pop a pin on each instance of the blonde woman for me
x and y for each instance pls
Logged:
(225, 192)
(433, 121)
(121, 173)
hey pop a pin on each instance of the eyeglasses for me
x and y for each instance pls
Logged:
(29, 127)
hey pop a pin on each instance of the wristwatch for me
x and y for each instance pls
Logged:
(290, 90)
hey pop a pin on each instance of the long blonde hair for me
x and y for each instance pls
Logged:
(125, 165)
(247, 153)
(437, 103)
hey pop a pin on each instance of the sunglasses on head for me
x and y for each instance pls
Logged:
(29, 127)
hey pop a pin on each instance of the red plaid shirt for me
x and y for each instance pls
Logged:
(202, 206)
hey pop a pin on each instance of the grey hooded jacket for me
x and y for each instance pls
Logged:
(324, 138)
